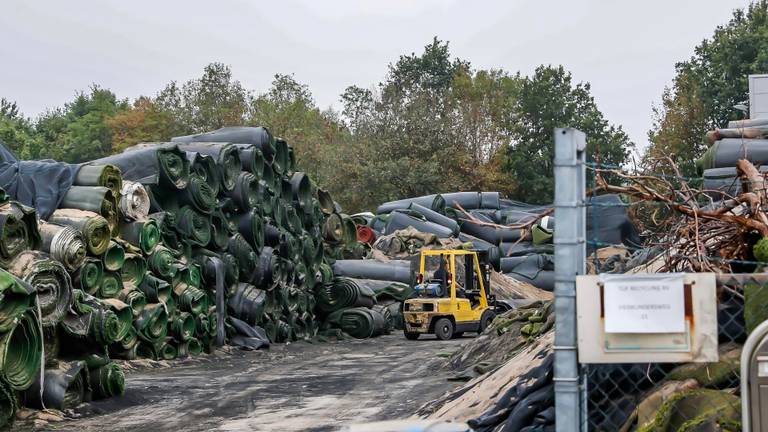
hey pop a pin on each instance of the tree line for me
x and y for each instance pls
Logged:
(434, 124)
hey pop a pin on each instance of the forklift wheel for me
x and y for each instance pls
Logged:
(486, 319)
(411, 335)
(444, 329)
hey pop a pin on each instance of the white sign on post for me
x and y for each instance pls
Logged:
(650, 303)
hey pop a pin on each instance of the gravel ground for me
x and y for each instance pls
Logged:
(297, 387)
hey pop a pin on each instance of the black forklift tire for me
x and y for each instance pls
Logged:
(411, 335)
(444, 329)
(486, 319)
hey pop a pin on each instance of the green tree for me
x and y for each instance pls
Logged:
(709, 84)
(143, 122)
(210, 102)
(16, 132)
(548, 100)
(318, 137)
(79, 132)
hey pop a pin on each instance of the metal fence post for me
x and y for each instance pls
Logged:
(570, 258)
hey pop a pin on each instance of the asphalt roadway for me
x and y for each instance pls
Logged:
(296, 387)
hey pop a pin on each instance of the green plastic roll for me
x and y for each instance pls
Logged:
(159, 350)
(291, 160)
(245, 194)
(282, 160)
(152, 324)
(194, 348)
(325, 200)
(226, 156)
(127, 343)
(144, 234)
(114, 257)
(20, 352)
(191, 299)
(88, 276)
(189, 274)
(15, 298)
(183, 326)
(174, 167)
(219, 230)
(133, 270)
(270, 179)
(51, 281)
(333, 229)
(94, 228)
(111, 285)
(326, 273)
(8, 404)
(124, 315)
(108, 176)
(252, 160)
(105, 327)
(18, 230)
(294, 221)
(134, 298)
(244, 254)
(107, 381)
(198, 195)
(251, 226)
(162, 263)
(204, 167)
(350, 230)
(194, 226)
(97, 199)
(156, 290)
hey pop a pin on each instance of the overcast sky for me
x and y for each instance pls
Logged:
(625, 49)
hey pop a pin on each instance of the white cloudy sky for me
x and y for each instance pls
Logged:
(625, 49)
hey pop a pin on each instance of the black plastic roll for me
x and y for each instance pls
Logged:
(528, 264)
(301, 189)
(435, 217)
(247, 303)
(492, 234)
(398, 271)
(434, 202)
(258, 136)
(399, 220)
(726, 152)
(65, 386)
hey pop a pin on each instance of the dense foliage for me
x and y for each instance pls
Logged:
(433, 124)
(708, 85)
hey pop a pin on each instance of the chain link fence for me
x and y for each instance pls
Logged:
(668, 396)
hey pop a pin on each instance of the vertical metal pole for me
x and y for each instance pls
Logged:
(570, 255)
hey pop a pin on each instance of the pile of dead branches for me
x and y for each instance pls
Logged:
(707, 230)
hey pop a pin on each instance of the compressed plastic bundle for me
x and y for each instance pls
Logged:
(94, 228)
(194, 226)
(111, 284)
(226, 156)
(64, 244)
(96, 199)
(190, 299)
(358, 322)
(133, 270)
(204, 167)
(152, 164)
(51, 281)
(16, 297)
(244, 254)
(162, 263)
(156, 290)
(251, 227)
(182, 326)
(134, 201)
(342, 293)
(113, 257)
(64, 387)
(88, 276)
(152, 324)
(20, 352)
(107, 381)
(198, 194)
(245, 193)
(18, 230)
(247, 303)
(143, 234)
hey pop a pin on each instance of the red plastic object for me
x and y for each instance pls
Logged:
(365, 234)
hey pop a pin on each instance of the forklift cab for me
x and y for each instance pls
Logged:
(452, 297)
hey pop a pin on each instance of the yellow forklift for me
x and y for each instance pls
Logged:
(452, 295)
